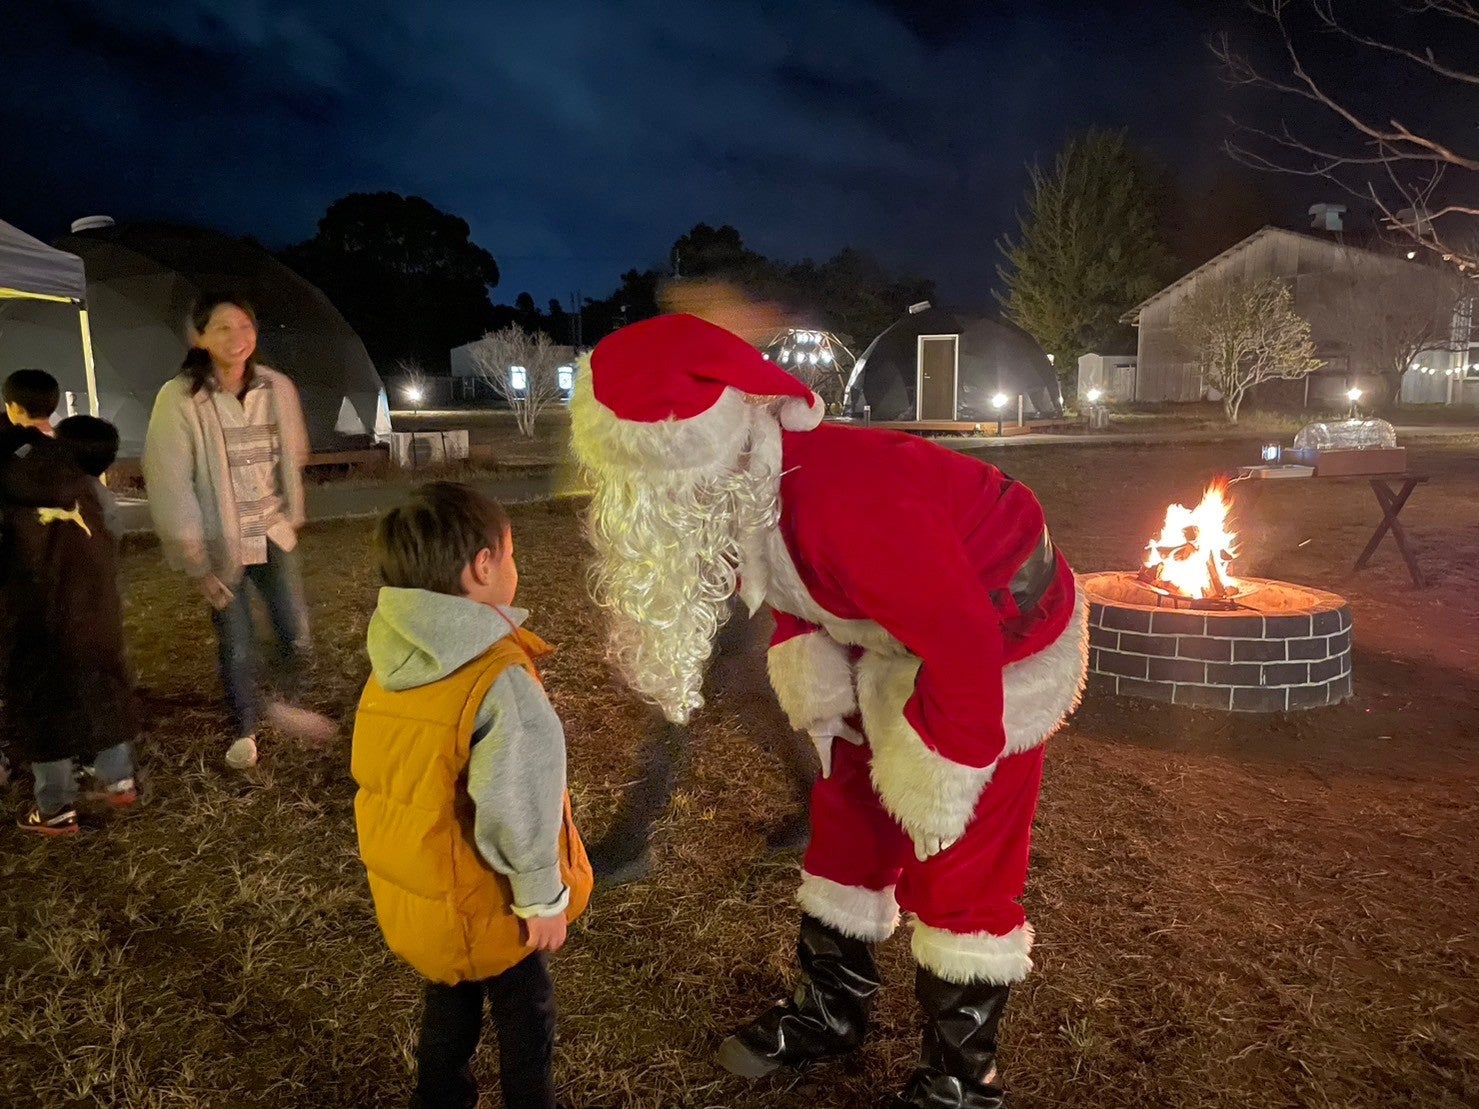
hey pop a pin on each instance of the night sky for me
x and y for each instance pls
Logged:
(579, 138)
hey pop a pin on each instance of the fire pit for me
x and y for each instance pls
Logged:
(1184, 630)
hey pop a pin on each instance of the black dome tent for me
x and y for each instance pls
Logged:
(934, 365)
(141, 281)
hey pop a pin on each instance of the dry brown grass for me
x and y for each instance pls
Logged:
(1231, 911)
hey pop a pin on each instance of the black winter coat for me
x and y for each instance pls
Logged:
(63, 674)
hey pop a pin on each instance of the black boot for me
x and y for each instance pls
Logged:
(827, 1017)
(957, 1060)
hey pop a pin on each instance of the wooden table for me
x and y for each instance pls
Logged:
(1392, 492)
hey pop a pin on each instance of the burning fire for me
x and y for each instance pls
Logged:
(1191, 556)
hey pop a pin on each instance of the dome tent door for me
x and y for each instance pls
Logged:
(938, 360)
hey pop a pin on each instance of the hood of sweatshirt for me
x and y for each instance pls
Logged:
(417, 637)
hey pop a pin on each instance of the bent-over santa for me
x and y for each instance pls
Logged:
(929, 637)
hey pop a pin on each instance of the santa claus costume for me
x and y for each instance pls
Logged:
(929, 637)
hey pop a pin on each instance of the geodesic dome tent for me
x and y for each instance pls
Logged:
(141, 281)
(936, 365)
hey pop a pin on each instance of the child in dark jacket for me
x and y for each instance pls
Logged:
(94, 446)
(62, 671)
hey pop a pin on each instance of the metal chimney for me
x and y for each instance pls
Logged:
(1327, 217)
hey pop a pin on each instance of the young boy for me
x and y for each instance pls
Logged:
(31, 399)
(464, 822)
(94, 445)
(65, 683)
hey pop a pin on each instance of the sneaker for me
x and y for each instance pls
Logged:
(119, 795)
(300, 723)
(242, 755)
(60, 823)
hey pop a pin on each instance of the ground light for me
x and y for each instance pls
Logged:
(1094, 395)
(999, 402)
(1354, 396)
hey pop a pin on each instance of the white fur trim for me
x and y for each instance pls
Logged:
(707, 443)
(927, 792)
(802, 415)
(974, 956)
(1043, 689)
(812, 678)
(863, 914)
(924, 791)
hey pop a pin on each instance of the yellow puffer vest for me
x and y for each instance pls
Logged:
(442, 908)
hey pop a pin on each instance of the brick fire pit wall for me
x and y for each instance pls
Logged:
(1291, 651)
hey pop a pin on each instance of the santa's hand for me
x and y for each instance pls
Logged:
(824, 733)
(927, 846)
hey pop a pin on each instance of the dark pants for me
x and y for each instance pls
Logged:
(279, 582)
(736, 681)
(522, 1002)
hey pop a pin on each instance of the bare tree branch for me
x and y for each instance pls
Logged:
(1461, 10)
(1325, 11)
(523, 369)
(1395, 166)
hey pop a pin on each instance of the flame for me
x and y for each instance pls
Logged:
(1192, 554)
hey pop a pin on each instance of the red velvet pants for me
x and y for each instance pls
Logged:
(972, 887)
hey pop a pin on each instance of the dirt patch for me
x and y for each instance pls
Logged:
(1231, 910)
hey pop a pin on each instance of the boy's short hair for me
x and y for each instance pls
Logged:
(93, 442)
(427, 543)
(36, 391)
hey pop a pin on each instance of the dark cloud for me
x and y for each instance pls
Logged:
(582, 137)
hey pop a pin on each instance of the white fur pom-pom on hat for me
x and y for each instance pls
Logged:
(674, 393)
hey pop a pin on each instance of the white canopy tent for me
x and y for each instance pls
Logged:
(31, 270)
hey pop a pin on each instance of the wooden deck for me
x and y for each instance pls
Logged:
(975, 427)
(129, 471)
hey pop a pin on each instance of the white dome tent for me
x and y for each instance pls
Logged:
(141, 280)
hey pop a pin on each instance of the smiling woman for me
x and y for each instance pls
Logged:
(223, 464)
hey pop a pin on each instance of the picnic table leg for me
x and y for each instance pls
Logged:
(1392, 505)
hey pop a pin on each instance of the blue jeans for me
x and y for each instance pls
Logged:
(279, 582)
(56, 782)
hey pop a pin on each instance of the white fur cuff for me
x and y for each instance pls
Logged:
(812, 678)
(1041, 690)
(976, 956)
(922, 790)
(863, 914)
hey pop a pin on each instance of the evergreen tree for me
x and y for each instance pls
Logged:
(1088, 248)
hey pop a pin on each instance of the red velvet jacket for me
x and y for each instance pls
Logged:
(906, 549)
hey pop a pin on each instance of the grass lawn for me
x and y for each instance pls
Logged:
(1231, 910)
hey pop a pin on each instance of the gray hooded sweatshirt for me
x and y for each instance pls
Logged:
(516, 771)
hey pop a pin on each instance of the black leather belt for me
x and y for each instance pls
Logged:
(1034, 576)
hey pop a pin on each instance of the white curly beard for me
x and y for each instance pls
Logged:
(668, 549)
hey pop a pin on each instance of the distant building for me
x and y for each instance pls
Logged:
(1323, 266)
(1113, 375)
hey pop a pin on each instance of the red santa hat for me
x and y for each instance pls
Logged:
(673, 393)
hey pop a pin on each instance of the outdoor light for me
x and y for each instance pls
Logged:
(1411, 254)
(813, 358)
(826, 356)
(999, 401)
(414, 394)
(1094, 395)
(785, 356)
(1353, 395)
